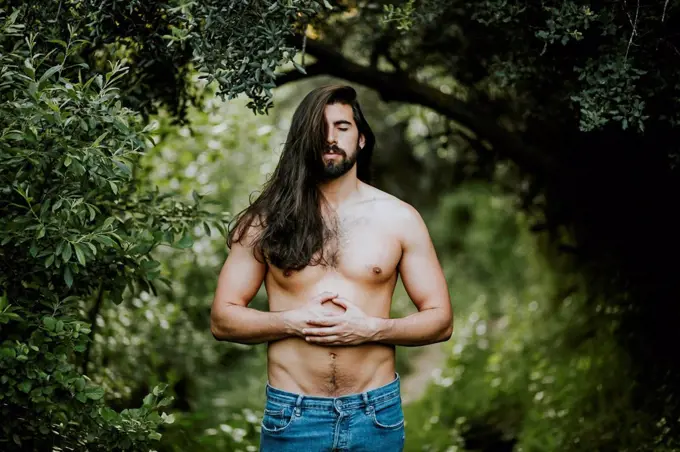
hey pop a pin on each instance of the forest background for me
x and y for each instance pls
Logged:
(539, 140)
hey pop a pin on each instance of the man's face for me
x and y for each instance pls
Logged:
(343, 141)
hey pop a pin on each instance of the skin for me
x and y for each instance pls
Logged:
(328, 328)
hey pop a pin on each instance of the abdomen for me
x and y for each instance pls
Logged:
(329, 371)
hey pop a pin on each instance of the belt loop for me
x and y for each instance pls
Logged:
(298, 403)
(364, 395)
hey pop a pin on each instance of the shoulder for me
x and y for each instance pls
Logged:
(246, 232)
(398, 213)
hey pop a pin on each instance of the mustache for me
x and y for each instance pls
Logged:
(336, 149)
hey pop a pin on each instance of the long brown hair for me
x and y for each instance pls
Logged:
(289, 226)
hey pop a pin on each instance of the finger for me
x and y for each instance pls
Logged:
(320, 331)
(343, 302)
(323, 339)
(325, 296)
(328, 321)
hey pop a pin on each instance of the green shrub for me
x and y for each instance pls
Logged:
(75, 232)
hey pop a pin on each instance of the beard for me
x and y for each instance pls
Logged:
(336, 167)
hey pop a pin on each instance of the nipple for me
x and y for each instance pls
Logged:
(377, 270)
(287, 273)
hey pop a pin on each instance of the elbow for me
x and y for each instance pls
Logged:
(218, 327)
(217, 330)
(447, 331)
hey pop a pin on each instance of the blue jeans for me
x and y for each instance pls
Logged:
(369, 421)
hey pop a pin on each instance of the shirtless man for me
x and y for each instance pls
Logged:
(329, 248)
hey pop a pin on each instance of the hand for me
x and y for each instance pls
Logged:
(353, 327)
(298, 319)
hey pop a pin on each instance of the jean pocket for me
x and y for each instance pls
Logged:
(276, 420)
(389, 416)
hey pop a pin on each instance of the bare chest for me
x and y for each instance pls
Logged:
(357, 248)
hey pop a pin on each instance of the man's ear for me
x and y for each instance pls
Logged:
(362, 141)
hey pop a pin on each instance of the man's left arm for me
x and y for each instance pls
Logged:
(425, 284)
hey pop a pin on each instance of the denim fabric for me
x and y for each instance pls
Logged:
(368, 421)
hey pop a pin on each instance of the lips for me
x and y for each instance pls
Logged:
(334, 152)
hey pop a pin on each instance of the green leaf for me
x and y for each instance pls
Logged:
(105, 240)
(8, 352)
(155, 436)
(168, 418)
(58, 41)
(185, 242)
(94, 392)
(49, 261)
(108, 414)
(25, 386)
(67, 252)
(50, 72)
(148, 399)
(49, 322)
(123, 167)
(165, 402)
(68, 161)
(79, 384)
(108, 222)
(79, 253)
(68, 276)
(150, 264)
(158, 389)
(299, 68)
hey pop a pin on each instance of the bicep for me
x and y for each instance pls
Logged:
(419, 267)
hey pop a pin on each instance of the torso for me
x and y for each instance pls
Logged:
(363, 268)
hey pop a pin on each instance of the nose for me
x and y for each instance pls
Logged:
(331, 137)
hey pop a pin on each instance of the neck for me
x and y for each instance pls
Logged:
(338, 191)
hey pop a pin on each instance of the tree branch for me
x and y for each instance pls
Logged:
(397, 87)
(92, 318)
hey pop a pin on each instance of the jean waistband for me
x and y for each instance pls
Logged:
(349, 401)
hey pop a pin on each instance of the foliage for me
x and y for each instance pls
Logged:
(524, 369)
(76, 231)
(237, 43)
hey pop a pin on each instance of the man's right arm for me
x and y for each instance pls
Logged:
(230, 318)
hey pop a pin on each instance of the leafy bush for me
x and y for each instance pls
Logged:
(76, 231)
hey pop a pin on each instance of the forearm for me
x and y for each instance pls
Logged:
(249, 326)
(421, 328)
